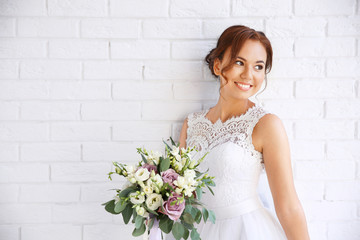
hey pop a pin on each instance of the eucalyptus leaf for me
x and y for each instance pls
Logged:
(151, 223)
(110, 207)
(166, 224)
(165, 164)
(194, 235)
(178, 230)
(138, 221)
(210, 190)
(198, 216)
(212, 216)
(120, 206)
(186, 234)
(126, 191)
(127, 213)
(140, 231)
(198, 193)
(188, 218)
(205, 214)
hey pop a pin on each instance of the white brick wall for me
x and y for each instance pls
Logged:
(85, 82)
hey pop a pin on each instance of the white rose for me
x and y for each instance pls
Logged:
(154, 201)
(142, 174)
(148, 190)
(136, 198)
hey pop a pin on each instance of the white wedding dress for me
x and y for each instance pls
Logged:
(236, 165)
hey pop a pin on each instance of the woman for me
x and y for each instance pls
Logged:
(242, 138)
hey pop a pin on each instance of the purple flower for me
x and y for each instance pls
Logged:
(149, 167)
(169, 176)
(173, 211)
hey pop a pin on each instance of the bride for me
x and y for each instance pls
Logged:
(243, 138)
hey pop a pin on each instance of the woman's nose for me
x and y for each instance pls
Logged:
(246, 74)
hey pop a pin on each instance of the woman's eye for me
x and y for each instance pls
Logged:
(240, 62)
(260, 67)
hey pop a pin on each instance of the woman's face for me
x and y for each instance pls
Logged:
(246, 74)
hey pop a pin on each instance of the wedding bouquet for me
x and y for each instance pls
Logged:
(163, 193)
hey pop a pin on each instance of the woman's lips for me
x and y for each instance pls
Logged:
(242, 86)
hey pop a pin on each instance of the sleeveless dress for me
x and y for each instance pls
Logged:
(236, 165)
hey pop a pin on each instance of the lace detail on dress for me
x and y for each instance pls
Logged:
(206, 135)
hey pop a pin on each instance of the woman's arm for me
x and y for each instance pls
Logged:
(183, 134)
(276, 154)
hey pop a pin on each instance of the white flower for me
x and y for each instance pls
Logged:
(130, 169)
(175, 151)
(148, 190)
(178, 166)
(154, 156)
(132, 180)
(154, 201)
(142, 174)
(189, 174)
(117, 199)
(180, 182)
(192, 164)
(141, 211)
(136, 198)
(188, 192)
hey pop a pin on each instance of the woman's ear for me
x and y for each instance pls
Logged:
(217, 66)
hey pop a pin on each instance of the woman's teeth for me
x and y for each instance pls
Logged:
(243, 86)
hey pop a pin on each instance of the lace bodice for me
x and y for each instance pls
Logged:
(232, 158)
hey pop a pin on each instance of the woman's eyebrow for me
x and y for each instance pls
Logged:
(259, 61)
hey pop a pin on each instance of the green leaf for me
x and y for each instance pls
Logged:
(151, 223)
(178, 230)
(195, 235)
(210, 190)
(188, 218)
(186, 234)
(167, 145)
(143, 158)
(205, 214)
(139, 231)
(165, 164)
(120, 206)
(151, 211)
(166, 224)
(198, 216)
(212, 216)
(198, 193)
(138, 221)
(127, 213)
(126, 191)
(104, 204)
(172, 141)
(110, 207)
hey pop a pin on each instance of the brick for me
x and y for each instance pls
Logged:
(344, 230)
(140, 49)
(282, 47)
(23, 8)
(349, 150)
(9, 110)
(324, 47)
(213, 28)
(22, 131)
(50, 69)
(7, 27)
(53, 193)
(172, 28)
(22, 48)
(341, 26)
(10, 232)
(198, 9)
(325, 170)
(194, 50)
(324, 129)
(343, 109)
(343, 191)
(251, 8)
(111, 151)
(80, 172)
(139, 8)
(48, 27)
(298, 68)
(317, 230)
(80, 214)
(10, 90)
(308, 150)
(323, 7)
(100, 192)
(9, 193)
(296, 27)
(80, 131)
(277, 89)
(319, 211)
(53, 231)
(80, 90)
(109, 231)
(172, 70)
(142, 90)
(25, 213)
(110, 28)
(9, 152)
(111, 111)
(50, 111)
(79, 49)
(309, 190)
(18, 173)
(325, 88)
(54, 152)
(167, 110)
(296, 109)
(9, 69)
(78, 8)
(343, 67)
(113, 70)
(140, 131)
(195, 91)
